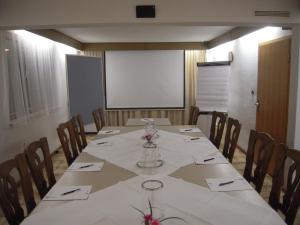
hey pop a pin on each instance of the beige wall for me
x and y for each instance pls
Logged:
(16, 13)
(177, 117)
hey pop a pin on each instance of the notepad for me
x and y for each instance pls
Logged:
(86, 167)
(216, 158)
(147, 120)
(100, 143)
(228, 184)
(189, 130)
(195, 139)
(109, 131)
(64, 193)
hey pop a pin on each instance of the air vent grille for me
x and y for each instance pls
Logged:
(273, 13)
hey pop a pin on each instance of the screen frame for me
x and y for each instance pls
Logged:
(144, 108)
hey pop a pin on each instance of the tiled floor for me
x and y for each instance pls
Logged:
(60, 165)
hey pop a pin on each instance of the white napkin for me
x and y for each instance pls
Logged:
(86, 166)
(216, 158)
(147, 120)
(109, 131)
(236, 184)
(79, 193)
(189, 130)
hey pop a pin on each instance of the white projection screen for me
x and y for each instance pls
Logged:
(144, 79)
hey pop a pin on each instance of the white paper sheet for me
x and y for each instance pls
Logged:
(189, 130)
(195, 139)
(56, 193)
(100, 143)
(216, 158)
(147, 120)
(237, 184)
(86, 167)
(109, 131)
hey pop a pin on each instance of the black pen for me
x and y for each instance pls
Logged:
(100, 143)
(89, 165)
(206, 160)
(69, 192)
(192, 139)
(107, 132)
(188, 129)
(225, 183)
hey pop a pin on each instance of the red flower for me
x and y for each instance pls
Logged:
(148, 217)
(155, 222)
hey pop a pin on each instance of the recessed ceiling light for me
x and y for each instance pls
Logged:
(7, 50)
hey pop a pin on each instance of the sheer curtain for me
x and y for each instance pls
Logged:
(33, 76)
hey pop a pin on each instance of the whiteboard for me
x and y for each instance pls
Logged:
(85, 83)
(212, 88)
(144, 79)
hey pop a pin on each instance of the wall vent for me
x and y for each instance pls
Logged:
(273, 13)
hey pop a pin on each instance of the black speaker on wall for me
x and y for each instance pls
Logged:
(145, 11)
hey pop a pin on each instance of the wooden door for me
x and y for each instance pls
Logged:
(273, 89)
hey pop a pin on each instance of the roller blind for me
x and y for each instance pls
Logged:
(212, 88)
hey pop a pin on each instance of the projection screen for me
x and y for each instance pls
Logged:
(144, 79)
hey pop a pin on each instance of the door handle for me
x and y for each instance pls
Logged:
(257, 103)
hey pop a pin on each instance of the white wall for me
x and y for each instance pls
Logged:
(14, 139)
(16, 13)
(243, 76)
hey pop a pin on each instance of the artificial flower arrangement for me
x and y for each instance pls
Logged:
(149, 220)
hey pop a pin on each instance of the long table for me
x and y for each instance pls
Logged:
(142, 121)
(112, 174)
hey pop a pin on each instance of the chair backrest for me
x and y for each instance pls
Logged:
(67, 139)
(79, 132)
(288, 165)
(260, 148)
(9, 198)
(193, 116)
(231, 138)
(98, 116)
(36, 165)
(217, 127)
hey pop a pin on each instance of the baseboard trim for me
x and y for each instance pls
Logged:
(241, 149)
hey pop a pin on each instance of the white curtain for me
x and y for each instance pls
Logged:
(33, 76)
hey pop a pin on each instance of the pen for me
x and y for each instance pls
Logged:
(206, 160)
(192, 139)
(225, 183)
(86, 166)
(107, 132)
(188, 129)
(69, 192)
(100, 143)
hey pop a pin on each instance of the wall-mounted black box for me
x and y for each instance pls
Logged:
(145, 11)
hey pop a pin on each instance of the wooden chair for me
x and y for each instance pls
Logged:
(231, 138)
(98, 116)
(217, 127)
(36, 165)
(288, 165)
(193, 117)
(79, 132)
(260, 148)
(67, 139)
(9, 198)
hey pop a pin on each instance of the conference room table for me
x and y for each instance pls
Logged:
(105, 183)
(143, 121)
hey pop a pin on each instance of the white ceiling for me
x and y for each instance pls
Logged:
(145, 33)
